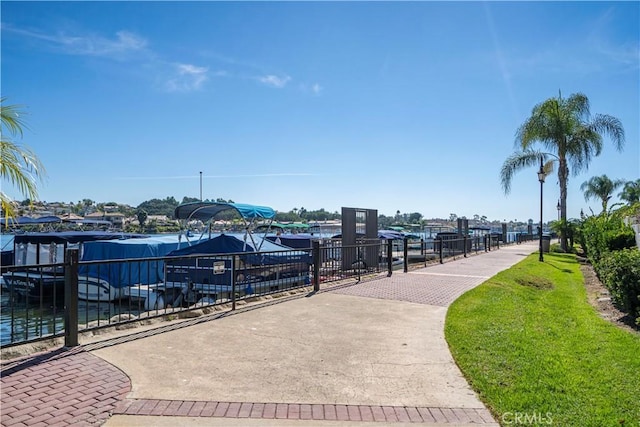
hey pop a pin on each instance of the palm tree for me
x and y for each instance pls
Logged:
(18, 164)
(600, 187)
(561, 131)
(631, 192)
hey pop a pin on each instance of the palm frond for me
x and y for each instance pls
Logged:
(578, 105)
(604, 123)
(600, 187)
(516, 162)
(7, 206)
(11, 117)
(21, 167)
(631, 192)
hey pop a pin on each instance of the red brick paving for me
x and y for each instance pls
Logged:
(62, 387)
(86, 391)
(301, 411)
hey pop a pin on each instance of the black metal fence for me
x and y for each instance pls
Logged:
(54, 300)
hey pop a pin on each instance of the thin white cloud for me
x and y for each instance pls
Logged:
(186, 78)
(625, 53)
(169, 75)
(598, 52)
(122, 43)
(314, 89)
(274, 81)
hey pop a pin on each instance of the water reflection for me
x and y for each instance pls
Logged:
(20, 321)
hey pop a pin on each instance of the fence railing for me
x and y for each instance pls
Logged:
(54, 300)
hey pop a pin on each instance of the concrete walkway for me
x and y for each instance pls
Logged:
(356, 355)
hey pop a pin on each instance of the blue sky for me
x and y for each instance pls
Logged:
(409, 106)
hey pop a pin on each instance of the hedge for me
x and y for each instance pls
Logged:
(620, 273)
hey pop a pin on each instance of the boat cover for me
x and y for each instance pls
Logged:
(232, 244)
(392, 234)
(26, 220)
(144, 271)
(71, 237)
(204, 211)
(382, 234)
(296, 241)
(210, 263)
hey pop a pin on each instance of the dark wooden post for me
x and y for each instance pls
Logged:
(71, 298)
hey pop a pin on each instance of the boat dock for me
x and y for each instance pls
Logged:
(358, 354)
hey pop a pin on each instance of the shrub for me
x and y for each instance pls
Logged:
(620, 239)
(602, 234)
(620, 273)
(555, 247)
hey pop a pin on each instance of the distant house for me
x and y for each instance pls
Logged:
(70, 217)
(115, 218)
(160, 219)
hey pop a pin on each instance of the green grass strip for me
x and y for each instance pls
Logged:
(537, 353)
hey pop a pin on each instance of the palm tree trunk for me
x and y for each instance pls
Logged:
(563, 177)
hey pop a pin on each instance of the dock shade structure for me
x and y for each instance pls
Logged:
(207, 211)
(26, 220)
(204, 211)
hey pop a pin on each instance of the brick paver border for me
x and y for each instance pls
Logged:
(66, 387)
(304, 411)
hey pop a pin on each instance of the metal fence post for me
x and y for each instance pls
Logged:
(316, 265)
(440, 241)
(71, 298)
(359, 261)
(389, 257)
(233, 282)
(464, 242)
(405, 251)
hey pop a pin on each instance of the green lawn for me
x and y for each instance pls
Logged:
(532, 347)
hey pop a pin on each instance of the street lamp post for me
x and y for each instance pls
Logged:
(200, 185)
(562, 226)
(541, 179)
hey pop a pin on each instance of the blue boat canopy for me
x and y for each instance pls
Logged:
(227, 244)
(72, 237)
(204, 211)
(147, 269)
(26, 220)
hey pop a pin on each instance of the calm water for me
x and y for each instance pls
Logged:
(19, 322)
